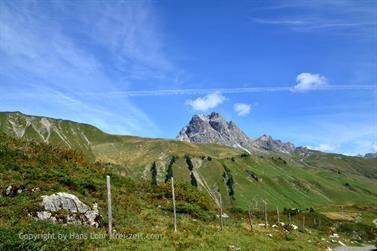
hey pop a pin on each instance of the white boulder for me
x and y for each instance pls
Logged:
(76, 212)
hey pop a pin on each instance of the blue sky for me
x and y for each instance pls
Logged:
(301, 71)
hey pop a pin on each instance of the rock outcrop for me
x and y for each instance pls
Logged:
(214, 128)
(267, 143)
(370, 155)
(67, 208)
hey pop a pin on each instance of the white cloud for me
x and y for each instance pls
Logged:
(242, 109)
(374, 147)
(207, 102)
(308, 81)
(324, 147)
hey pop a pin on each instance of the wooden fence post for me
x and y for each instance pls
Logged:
(109, 209)
(265, 213)
(250, 219)
(277, 212)
(221, 212)
(174, 211)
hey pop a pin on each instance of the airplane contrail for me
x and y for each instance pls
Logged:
(171, 92)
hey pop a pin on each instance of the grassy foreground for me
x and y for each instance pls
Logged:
(142, 211)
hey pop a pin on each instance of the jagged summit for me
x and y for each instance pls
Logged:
(213, 128)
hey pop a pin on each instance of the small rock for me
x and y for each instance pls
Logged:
(335, 235)
(93, 216)
(234, 248)
(12, 191)
(36, 189)
(224, 215)
(44, 215)
(269, 235)
(9, 191)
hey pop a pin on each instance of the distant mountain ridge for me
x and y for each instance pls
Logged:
(213, 128)
(370, 155)
(301, 178)
(65, 133)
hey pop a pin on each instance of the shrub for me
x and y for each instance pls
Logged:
(183, 192)
(169, 172)
(189, 162)
(154, 174)
(192, 209)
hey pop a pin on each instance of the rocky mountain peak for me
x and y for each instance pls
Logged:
(265, 138)
(215, 115)
(213, 128)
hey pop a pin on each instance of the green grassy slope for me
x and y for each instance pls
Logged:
(303, 179)
(139, 209)
(59, 132)
(284, 182)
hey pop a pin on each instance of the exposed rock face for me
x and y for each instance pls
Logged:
(267, 143)
(214, 129)
(74, 210)
(370, 155)
(64, 201)
(48, 130)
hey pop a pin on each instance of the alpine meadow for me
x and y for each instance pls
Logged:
(188, 125)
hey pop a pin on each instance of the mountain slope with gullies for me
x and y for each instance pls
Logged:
(301, 178)
(213, 128)
(59, 132)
